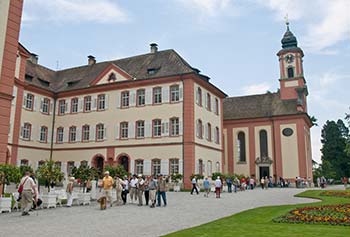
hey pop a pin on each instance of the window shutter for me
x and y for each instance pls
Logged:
(206, 100)
(180, 127)
(32, 133)
(132, 166)
(132, 98)
(41, 104)
(196, 167)
(214, 105)
(165, 94)
(197, 130)
(147, 169)
(51, 107)
(116, 131)
(131, 131)
(117, 101)
(165, 128)
(92, 132)
(206, 131)
(39, 131)
(164, 167)
(197, 96)
(49, 135)
(35, 105)
(80, 104)
(67, 106)
(106, 102)
(202, 130)
(105, 132)
(78, 134)
(21, 132)
(24, 99)
(94, 103)
(180, 92)
(65, 134)
(148, 95)
(213, 134)
(148, 129)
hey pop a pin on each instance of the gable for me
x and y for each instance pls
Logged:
(111, 74)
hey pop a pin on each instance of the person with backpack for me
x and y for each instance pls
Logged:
(26, 188)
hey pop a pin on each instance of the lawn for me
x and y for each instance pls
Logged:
(258, 222)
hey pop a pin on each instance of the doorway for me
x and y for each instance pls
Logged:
(99, 164)
(264, 171)
(124, 161)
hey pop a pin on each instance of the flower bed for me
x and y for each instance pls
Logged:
(331, 215)
(345, 194)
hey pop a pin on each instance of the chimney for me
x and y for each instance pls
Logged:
(91, 60)
(34, 58)
(154, 47)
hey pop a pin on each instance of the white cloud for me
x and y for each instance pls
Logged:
(207, 7)
(256, 89)
(73, 11)
(327, 22)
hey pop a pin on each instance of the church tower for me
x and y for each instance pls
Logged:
(292, 81)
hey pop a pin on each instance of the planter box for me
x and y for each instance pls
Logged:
(177, 188)
(5, 204)
(49, 200)
(84, 198)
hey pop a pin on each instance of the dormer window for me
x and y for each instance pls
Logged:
(72, 83)
(290, 72)
(28, 78)
(151, 71)
(44, 83)
(112, 77)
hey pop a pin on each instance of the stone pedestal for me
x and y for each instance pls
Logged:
(93, 190)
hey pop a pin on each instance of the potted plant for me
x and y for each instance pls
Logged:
(8, 174)
(83, 174)
(175, 178)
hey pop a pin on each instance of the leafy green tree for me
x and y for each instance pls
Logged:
(9, 174)
(50, 172)
(84, 173)
(335, 161)
(116, 170)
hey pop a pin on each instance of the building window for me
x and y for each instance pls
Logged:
(155, 166)
(74, 105)
(59, 135)
(174, 166)
(200, 167)
(24, 162)
(217, 135)
(100, 132)
(174, 93)
(157, 128)
(140, 97)
(208, 131)
(29, 101)
(86, 133)
(124, 130)
(125, 99)
(40, 163)
(217, 167)
(101, 102)
(140, 129)
(209, 168)
(139, 166)
(199, 96)
(45, 108)
(263, 144)
(87, 103)
(199, 129)
(43, 134)
(216, 106)
(70, 166)
(157, 95)
(58, 164)
(72, 134)
(174, 126)
(208, 102)
(241, 147)
(290, 72)
(84, 163)
(27, 130)
(61, 107)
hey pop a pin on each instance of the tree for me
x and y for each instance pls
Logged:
(335, 161)
(9, 174)
(314, 120)
(116, 170)
(84, 173)
(50, 172)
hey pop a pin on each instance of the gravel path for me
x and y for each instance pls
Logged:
(183, 211)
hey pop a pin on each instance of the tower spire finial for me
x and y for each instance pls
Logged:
(287, 21)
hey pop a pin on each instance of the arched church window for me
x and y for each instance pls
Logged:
(263, 144)
(241, 147)
(290, 72)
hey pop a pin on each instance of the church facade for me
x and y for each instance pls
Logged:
(152, 114)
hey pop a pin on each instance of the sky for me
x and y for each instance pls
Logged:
(234, 42)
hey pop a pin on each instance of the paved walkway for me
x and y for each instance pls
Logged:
(183, 211)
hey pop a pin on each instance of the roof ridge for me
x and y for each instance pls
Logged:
(245, 96)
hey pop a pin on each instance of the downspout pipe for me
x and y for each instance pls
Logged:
(53, 126)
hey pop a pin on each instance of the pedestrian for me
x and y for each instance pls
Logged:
(262, 182)
(28, 188)
(147, 180)
(107, 184)
(162, 188)
(194, 185)
(125, 189)
(243, 184)
(88, 186)
(236, 184)
(266, 183)
(152, 186)
(218, 185)
(69, 191)
(140, 186)
(229, 184)
(206, 186)
(251, 183)
(119, 188)
(318, 182)
(132, 188)
(345, 182)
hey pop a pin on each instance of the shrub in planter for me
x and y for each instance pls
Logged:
(83, 174)
(50, 173)
(9, 174)
(116, 170)
(197, 176)
(176, 178)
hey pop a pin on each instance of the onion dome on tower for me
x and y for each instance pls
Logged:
(289, 40)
